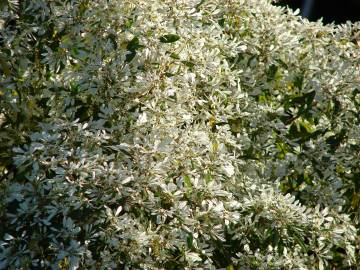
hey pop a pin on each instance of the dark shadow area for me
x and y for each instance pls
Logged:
(330, 10)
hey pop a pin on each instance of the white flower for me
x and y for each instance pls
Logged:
(229, 170)
(142, 119)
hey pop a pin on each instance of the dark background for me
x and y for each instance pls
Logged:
(330, 10)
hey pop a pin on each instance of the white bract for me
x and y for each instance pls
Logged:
(177, 134)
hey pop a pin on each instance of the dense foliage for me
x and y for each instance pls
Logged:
(177, 134)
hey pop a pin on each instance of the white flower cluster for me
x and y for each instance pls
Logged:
(180, 134)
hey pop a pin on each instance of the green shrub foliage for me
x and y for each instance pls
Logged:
(177, 134)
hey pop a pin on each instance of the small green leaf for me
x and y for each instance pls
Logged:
(310, 97)
(128, 23)
(189, 240)
(300, 242)
(337, 107)
(208, 178)
(298, 81)
(187, 182)
(175, 56)
(169, 74)
(133, 45)
(335, 140)
(221, 22)
(272, 72)
(130, 56)
(188, 64)
(169, 38)
(112, 39)
(235, 125)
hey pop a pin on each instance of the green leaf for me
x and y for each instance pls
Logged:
(272, 72)
(335, 140)
(208, 177)
(187, 182)
(130, 56)
(337, 107)
(235, 125)
(175, 56)
(133, 45)
(302, 130)
(300, 242)
(169, 38)
(128, 23)
(298, 81)
(304, 101)
(188, 64)
(310, 97)
(189, 240)
(169, 74)
(221, 22)
(112, 39)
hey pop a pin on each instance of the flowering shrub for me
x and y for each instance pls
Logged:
(177, 134)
